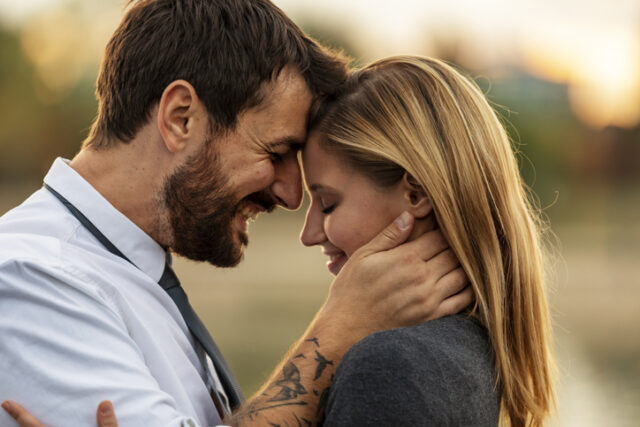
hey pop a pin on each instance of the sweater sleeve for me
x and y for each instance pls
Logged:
(389, 378)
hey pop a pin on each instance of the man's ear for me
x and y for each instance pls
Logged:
(177, 115)
(418, 201)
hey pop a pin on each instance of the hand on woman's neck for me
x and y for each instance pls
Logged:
(423, 225)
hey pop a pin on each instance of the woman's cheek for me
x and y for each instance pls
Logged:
(337, 233)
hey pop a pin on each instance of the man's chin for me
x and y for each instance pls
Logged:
(233, 256)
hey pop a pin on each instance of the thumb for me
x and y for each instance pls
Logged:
(106, 416)
(393, 235)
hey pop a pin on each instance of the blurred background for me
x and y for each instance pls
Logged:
(564, 75)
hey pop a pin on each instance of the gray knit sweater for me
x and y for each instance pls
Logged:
(439, 373)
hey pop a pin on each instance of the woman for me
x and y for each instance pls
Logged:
(410, 133)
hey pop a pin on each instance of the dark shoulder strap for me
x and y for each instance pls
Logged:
(88, 224)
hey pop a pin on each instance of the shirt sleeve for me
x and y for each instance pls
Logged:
(64, 350)
(388, 379)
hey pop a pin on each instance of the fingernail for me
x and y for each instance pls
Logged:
(105, 409)
(6, 405)
(403, 220)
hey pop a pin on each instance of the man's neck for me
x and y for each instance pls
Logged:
(130, 176)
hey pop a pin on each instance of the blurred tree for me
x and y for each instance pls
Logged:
(35, 127)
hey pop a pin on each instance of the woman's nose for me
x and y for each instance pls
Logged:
(313, 230)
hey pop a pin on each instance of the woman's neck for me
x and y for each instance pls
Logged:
(423, 225)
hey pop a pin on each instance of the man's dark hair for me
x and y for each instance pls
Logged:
(226, 49)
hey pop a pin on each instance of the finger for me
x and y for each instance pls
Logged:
(393, 235)
(23, 418)
(428, 245)
(106, 416)
(452, 283)
(455, 304)
(441, 265)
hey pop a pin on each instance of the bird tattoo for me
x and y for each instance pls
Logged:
(290, 386)
(322, 364)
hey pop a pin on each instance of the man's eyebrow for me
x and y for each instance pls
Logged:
(292, 142)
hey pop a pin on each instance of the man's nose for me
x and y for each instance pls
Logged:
(287, 185)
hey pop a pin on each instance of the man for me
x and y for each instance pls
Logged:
(202, 105)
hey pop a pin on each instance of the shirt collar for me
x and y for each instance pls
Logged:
(134, 243)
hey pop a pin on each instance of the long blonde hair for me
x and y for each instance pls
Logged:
(420, 115)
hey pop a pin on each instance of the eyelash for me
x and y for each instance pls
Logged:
(275, 156)
(328, 209)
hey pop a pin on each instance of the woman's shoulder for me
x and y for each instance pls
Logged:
(426, 372)
(449, 336)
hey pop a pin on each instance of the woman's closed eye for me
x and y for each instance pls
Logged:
(328, 209)
(327, 204)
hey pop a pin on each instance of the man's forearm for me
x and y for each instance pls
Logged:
(297, 391)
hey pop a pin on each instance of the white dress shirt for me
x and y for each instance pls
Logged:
(79, 325)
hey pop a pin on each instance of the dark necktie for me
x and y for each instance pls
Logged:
(171, 285)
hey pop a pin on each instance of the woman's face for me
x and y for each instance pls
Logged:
(347, 209)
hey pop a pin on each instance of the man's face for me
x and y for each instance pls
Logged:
(238, 174)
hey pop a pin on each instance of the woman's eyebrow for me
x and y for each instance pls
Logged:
(319, 187)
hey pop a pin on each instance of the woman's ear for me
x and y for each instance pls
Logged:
(418, 201)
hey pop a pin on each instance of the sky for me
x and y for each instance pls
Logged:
(591, 45)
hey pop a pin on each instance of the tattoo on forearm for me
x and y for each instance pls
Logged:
(288, 390)
(290, 386)
(253, 410)
(306, 422)
(313, 340)
(322, 403)
(322, 365)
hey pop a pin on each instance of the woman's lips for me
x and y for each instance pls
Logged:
(336, 261)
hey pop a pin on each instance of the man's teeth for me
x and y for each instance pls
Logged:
(249, 213)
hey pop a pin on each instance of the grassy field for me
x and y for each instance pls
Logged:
(258, 309)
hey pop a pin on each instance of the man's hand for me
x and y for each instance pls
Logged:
(105, 416)
(387, 284)
(22, 417)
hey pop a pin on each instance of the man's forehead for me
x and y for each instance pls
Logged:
(271, 91)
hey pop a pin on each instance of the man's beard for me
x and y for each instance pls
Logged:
(202, 210)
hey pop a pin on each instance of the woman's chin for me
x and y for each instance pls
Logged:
(336, 264)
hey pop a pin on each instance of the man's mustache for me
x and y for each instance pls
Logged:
(262, 199)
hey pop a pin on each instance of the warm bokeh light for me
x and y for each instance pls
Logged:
(596, 51)
(602, 70)
(591, 46)
(50, 40)
(564, 76)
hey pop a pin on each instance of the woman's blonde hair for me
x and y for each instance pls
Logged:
(421, 116)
